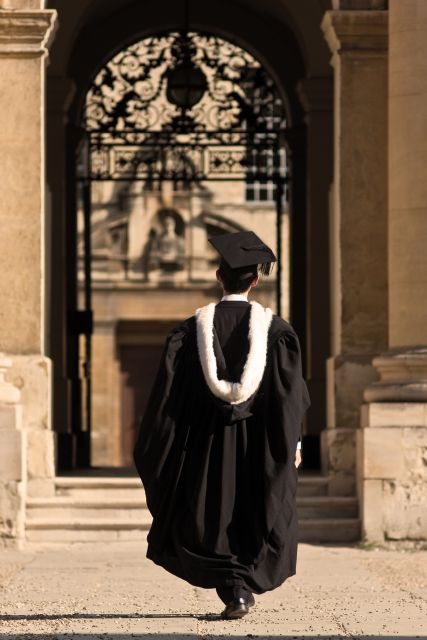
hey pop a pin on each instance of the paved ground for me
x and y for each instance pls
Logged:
(109, 590)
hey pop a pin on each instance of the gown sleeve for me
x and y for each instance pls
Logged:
(282, 410)
(290, 385)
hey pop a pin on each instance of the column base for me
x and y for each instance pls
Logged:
(12, 461)
(338, 458)
(392, 471)
(32, 375)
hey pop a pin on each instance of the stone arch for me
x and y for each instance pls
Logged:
(281, 35)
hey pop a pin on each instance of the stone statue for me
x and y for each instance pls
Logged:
(168, 250)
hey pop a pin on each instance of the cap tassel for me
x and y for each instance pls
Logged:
(265, 269)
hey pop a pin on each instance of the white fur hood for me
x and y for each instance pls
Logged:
(259, 324)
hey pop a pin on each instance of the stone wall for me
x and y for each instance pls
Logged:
(358, 41)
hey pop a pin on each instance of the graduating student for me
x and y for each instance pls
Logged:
(218, 445)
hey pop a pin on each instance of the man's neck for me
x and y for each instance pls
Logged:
(234, 297)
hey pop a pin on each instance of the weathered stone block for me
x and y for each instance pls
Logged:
(382, 453)
(41, 487)
(392, 463)
(10, 417)
(405, 513)
(32, 376)
(347, 377)
(338, 452)
(40, 454)
(12, 509)
(11, 455)
(393, 414)
(371, 510)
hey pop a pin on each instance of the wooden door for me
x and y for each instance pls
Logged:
(139, 364)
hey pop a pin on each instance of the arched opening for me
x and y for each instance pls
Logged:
(179, 130)
(92, 48)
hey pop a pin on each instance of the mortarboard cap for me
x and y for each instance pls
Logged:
(243, 249)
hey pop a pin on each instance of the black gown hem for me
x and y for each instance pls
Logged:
(172, 565)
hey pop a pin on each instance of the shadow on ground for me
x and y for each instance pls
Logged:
(188, 636)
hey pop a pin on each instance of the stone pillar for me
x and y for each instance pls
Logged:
(358, 42)
(393, 441)
(59, 93)
(24, 37)
(12, 461)
(316, 96)
(407, 165)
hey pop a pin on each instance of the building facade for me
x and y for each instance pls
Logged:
(94, 272)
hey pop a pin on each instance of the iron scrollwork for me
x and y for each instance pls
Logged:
(136, 131)
(130, 91)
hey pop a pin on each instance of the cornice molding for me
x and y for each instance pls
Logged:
(356, 33)
(26, 34)
(403, 376)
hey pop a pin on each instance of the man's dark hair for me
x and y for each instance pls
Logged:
(237, 280)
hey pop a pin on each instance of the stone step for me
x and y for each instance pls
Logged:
(114, 508)
(312, 485)
(92, 487)
(62, 530)
(86, 530)
(121, 508)
(132, 508)
(327, 507)
(329, 529)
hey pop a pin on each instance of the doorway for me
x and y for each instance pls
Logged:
(184, 137)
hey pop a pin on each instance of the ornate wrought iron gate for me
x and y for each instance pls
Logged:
(183, 107)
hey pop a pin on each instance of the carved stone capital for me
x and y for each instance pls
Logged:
(356, 33)
(403, 376)
(26, 34)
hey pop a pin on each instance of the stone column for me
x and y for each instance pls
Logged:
(407, 179)
(24, 37)
(316, 95)
(358, 42)
(393, 441)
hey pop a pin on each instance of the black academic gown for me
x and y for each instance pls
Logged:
(220, 479)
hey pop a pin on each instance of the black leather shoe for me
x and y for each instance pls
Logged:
(250, 600)
(236, 609)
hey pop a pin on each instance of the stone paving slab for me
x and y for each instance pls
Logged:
(111, 591)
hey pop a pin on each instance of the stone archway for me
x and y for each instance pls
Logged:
(309, 108)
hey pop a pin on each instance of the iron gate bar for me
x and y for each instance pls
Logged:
(87, 239)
